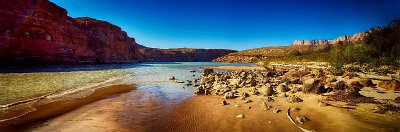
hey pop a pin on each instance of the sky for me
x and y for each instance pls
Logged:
(235, 24)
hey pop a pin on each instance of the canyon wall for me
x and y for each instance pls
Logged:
(40, 32)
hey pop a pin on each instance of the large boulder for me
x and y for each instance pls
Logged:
(393, 85)
(207, 71)
(366, 82)
(314, 86)
(266, 90)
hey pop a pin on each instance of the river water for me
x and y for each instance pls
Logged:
(22, 89)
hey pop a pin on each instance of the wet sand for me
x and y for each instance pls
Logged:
(205, 113)
(57, 108)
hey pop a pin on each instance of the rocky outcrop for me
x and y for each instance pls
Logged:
(182, 54)
(345, 39)
(312, 42)
(253, 55)
(40, 32)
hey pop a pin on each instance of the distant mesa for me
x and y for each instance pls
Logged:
(298, 47)
(346, 39)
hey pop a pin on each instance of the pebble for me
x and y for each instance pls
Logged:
(240, 116)
(224, 103)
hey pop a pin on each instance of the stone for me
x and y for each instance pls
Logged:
(267, 90)
(229, 95)
(269, 99)
(177, 81)
(322, 104)
(248, 101)
(293, 99)
(393, 85)
(171, 78)
(282, 88)
(354, 88)
(199, 90)
(264, 106)
(253, 91)
(282, 95)
(295, 81)
(314, 86)
(237, 106)
(276, 110)
(366, 82)
(341, 85)
(234, 82)
(302, 119)
(207, 71)
(240, 116)
(296, 109)
(330, 80)
(224, 103)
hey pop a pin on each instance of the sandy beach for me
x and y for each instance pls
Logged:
(205, 113)
(57, 108)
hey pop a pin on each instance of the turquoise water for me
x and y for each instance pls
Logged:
(39, 85)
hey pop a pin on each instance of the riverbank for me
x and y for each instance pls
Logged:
(53, 109)
(252, 100)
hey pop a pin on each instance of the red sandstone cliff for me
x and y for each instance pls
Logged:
(39, 31)
(109, 43)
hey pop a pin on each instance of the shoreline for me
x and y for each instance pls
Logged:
(56, 108)
(205, 113)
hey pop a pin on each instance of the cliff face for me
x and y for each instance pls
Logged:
(40, 31)
(182, 54)
(109, 43)
(346, 39)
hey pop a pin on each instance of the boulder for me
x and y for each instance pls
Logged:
(264, 106)
(207, 71)
(282, 88)
(234, 82)
(199, 90)
(253, 91)
(229, 95)
(266, 90)
(314, 86)
(393, 85)
(354, 88)
(330, 80)
(341, 85)
(293, 99)
(366, 82)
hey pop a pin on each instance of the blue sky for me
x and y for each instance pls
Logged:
(235, 24)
